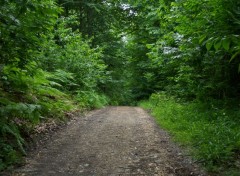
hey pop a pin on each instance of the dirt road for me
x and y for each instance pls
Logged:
(109, 142)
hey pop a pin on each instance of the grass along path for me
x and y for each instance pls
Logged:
(211, 131)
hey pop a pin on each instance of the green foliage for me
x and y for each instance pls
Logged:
(106, 24)
(91, 99)
(188, 48)
(27, 101)
(46, 69)
(210, 130)
(63, 80)
(13, 117)
(90, 53)
(68, 51)
(24, 25)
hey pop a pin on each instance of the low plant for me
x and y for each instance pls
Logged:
(91, 99)
(210, 130)
(25, 101)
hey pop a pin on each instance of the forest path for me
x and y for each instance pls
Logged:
(108, 142)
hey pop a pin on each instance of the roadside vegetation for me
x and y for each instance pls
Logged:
(61, 56)
(194, 78)
(210, 131)
(46, 70)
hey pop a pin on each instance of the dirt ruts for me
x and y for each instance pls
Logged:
(109, 142)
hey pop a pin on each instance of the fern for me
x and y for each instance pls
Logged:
(11, 129)
(62, 80)
(91, 99)
(21, 110)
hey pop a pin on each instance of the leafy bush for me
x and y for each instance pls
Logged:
(13, 118)
(44, 65)
(22, 24)
(66, 50)
(24, 27)
(27, 96)
(91, 99)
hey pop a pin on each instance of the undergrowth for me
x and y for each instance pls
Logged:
(211, 130)
(33, 100)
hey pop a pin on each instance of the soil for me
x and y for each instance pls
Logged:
(113, 141)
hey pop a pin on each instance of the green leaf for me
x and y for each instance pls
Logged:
(217, 45)
(202, 38)
(226, 44)
(209, 45)
(149, 46)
